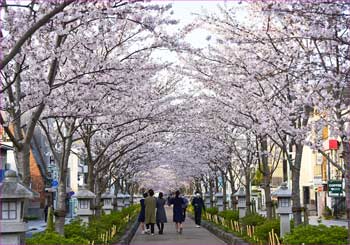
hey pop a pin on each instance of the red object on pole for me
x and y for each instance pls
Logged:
(333, 144)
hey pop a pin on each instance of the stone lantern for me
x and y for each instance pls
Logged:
(207, 200)
(84, 197)
(12, 196)
(107, 198)
(219, 201)
(284, 209)
(126, 200)
(120, 201)
(241, 202)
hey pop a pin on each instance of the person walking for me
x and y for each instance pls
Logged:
(161, 215)
(46, 210)
(150, 211)
(177, 203)
(142, 214)
(198, 205)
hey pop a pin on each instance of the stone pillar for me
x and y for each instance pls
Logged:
(284, 209)
(107, 198)
(219, 201)
(84, 197)
(126, 200)
(120, 201)
(207, 200)
(240, 194)
(12, 196)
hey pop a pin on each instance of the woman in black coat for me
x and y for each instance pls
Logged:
(142, 215)
(177, 203)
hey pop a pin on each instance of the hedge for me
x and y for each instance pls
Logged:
(321, 234)
(99, 230)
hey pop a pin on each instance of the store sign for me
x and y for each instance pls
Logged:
(335, 188)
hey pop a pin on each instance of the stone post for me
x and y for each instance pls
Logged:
(120, 201)
(240, 194)
(207, 200)
(284, 209)
(84, 197)
(219, 201)
(12, 196)
(126, 200)
(107, 198)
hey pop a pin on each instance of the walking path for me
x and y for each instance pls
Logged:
(190, 234)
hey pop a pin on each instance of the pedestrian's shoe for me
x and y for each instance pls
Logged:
(198, 226)
(142, 232)
(152, 234)
(180, 230)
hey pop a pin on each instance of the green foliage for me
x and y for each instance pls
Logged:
(321, 234)
(327, 213)
(230, 215)
(30, 217)
(75, 228)
(212, 211)
(54, 238)
(253, 219)
(262, 231)
(50, 227)
(78, 232)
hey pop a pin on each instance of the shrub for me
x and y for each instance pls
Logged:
(229, 215)
(50, 227)
(262, 231)
(327, 213)
(212, 211)
(75, 228)
(54, 238)
(30, 217)
(253, 219)
(78, 232)
(321, 234)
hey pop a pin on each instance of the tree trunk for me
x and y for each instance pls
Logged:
(247, 191)
(266, 177)
(97, 205)
(296, 185)
(346, 156)
(211, 186)
(22, 158)
(60, 212)
(233, 189)
(61, 198)
(91, 177)
(224, 191)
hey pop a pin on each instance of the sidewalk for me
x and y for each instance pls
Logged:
(34, 226)
(313, 221)
(190, 234)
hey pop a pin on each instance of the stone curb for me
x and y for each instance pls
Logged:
(129, 234)
(227, 237)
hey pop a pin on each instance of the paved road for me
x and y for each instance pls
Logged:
(190, 234)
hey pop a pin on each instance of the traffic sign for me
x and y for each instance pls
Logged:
(335, 188)
(54, 183)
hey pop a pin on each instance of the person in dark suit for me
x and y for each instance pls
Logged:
(177, 203)
(198, 206)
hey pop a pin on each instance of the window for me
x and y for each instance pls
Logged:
(9, 210)
(84, 204)
(284, 202)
